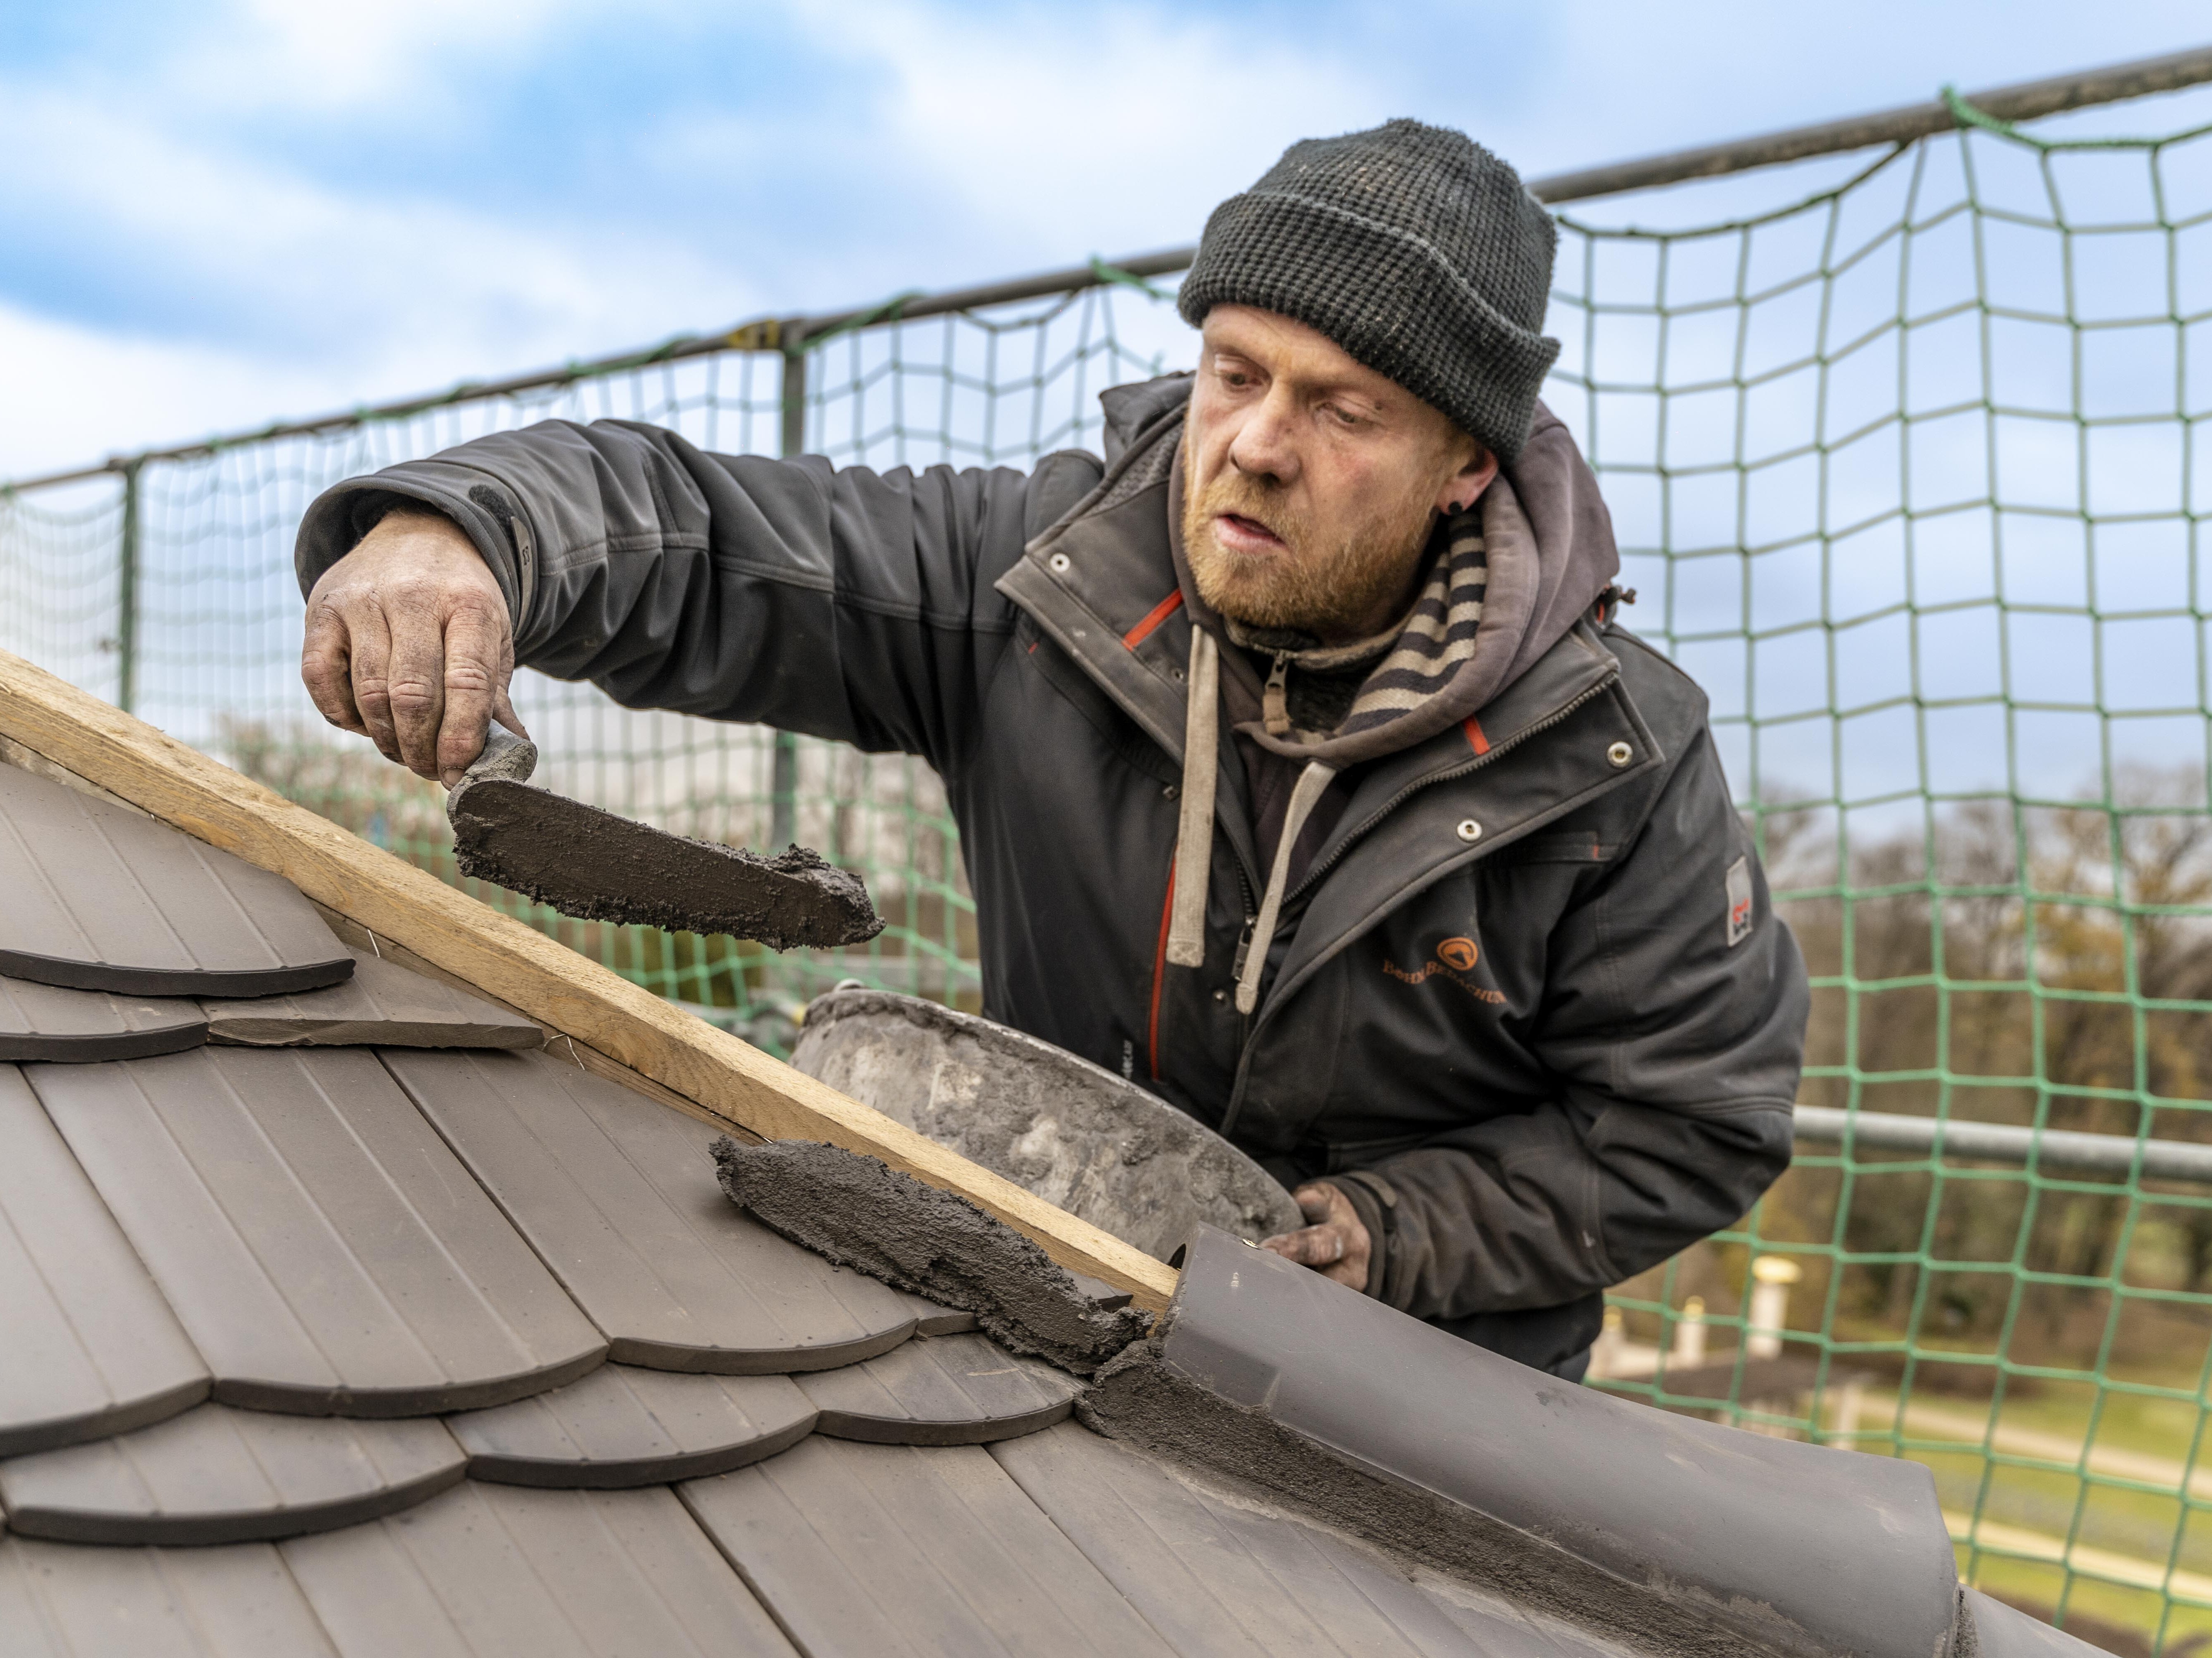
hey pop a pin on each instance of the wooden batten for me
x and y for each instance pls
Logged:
(592, 1008)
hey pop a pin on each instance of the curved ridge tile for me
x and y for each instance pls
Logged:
(45, 1022)
(90, 1347)
(218, 1475)
(100, 898)
(618, 1192)
(623, 1425)
(59, 1601)
(1665, 1528)
(495, 1571)
(941, 1390)
(383, 1005)
(325, 1250)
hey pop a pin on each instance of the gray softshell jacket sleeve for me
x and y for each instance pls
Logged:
(733, 588)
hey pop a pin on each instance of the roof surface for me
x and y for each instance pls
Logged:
(342, 1317)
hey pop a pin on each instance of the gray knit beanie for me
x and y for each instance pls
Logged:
(1413, 248)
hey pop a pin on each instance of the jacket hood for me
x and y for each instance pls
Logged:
(1547, 540)
(1130, 409)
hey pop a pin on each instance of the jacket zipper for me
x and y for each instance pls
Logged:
(1236, 970)
(1275, 698)
(1243, 937)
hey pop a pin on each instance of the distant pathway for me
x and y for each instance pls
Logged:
(2018, 1540)
(1942, 1422)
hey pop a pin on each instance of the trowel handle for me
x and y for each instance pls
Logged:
(504, 756)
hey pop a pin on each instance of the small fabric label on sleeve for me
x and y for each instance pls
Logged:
(1739, 902)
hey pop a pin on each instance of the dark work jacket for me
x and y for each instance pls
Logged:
(1512, 990)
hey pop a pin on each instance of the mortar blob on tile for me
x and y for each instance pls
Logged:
(861, 1212)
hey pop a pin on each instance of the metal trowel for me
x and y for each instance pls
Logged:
(597, 867)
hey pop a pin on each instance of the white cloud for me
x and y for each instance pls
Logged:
(346, 296)
(315, 55)
(82, 394)
(260, 234)
(1097, 127)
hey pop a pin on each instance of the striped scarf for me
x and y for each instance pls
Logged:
(1414, 661)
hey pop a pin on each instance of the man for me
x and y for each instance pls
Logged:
(1457, 932)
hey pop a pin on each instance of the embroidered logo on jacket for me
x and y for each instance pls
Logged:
(1453, 960)
(1739, 902)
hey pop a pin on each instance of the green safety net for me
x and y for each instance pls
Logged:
(1909, 473)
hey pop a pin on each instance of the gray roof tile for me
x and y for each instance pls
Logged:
(90, 1347)
(500, 1571)
(1493, 1626)
(1103, 1294)
(893, 1550)
(100, 898)
(319, 1241)
(1221, 1576)
(619, 1196)
(46, 1021)
(931, 1319)
(382, 1005)
(941, 1390)
(219, 1475)
(61, 1601)
(623, 1425)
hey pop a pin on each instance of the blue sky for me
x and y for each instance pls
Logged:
(218, 213)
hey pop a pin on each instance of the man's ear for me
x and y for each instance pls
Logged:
(1465, 487)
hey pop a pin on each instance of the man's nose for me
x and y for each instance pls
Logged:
(1265, 445)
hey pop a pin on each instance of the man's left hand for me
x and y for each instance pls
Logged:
(1333, 1243)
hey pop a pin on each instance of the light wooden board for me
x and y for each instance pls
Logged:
(500, 957)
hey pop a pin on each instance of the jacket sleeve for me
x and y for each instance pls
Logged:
(1675, 1054)
(843, 604)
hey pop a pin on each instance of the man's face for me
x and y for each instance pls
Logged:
(1311, 483)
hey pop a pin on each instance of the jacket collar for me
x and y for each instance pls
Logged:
(1101, 584)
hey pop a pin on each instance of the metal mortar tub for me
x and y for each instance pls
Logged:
(1072, 1132)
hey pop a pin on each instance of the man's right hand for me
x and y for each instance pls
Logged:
(409, 643)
